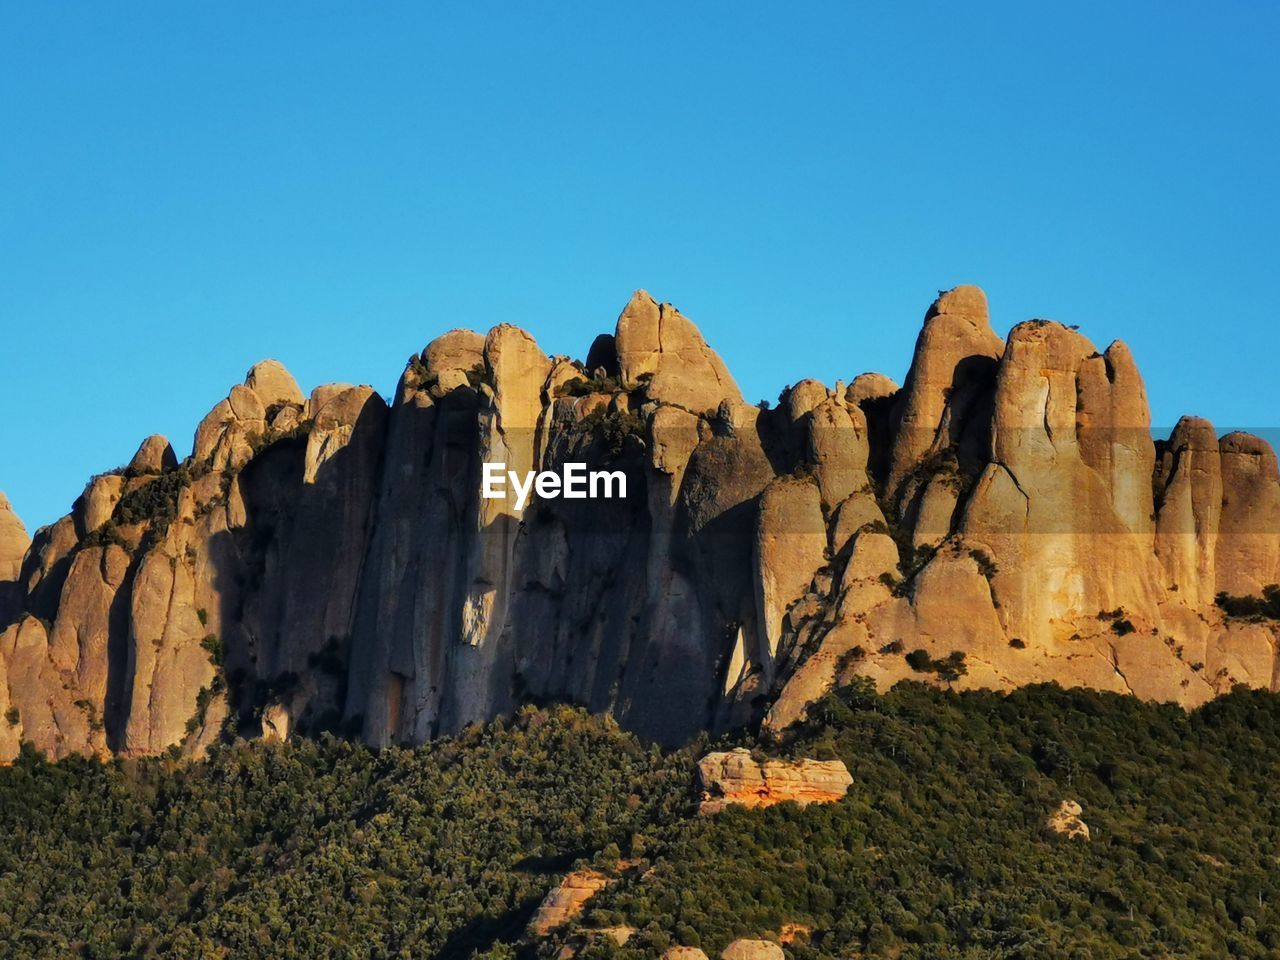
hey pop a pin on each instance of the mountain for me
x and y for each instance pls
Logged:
(328, 562)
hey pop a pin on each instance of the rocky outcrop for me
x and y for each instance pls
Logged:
(567, 901)
(752, 950)
(735, 778)
(155, 455)
(328, 561)
(683, 953)
(14, 541)
(955, 358)
(790, 548)
(1066, 821)
(14, 544)
(660, 350)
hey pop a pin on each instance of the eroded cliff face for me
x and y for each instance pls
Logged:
(328, 562)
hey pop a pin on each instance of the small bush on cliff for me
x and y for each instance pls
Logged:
(216, 649)
(154, 502)
(584, 386)
(611, 428)
(950, 669)
(1265, 607)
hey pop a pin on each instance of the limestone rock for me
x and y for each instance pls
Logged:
(517, 369)
(1248, 548)
(13, 541)
(955, 353)
(1066, 821)
(1189, 477)
(856, 512)
(1048, 514)
(837, 448)
(44, 569)
(1007, 504)
(455, 350)
(275, 723)
(166, 662)
(45, 712)
(236, 428)
(804, 397)
(224, 439)
(752, 950)
(155, 454)
(100, 499)
(735, 778)
(659, 348)
(566, 901)
(870, 386)
(683, 953)
(789, 549)
(272, 383)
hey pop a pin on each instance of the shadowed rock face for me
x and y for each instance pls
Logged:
(328, 562)
(14, 544)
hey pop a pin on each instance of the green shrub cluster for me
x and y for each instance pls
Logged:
(584, 386)
(950, 668)
(1265, 607)
(320, 848)
(154, 502)
(610, 428)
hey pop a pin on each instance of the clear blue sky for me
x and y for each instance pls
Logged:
(187, 188)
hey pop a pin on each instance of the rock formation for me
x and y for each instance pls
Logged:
(1066, 821)
(734, 778)
(683, 953)
(14, 544)
(566, 901)
(327, 561)
(752, 950)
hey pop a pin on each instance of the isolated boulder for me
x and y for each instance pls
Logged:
(1066, 821)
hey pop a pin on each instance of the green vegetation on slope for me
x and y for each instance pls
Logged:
(326, 849)
(319, 848)
(941, 848)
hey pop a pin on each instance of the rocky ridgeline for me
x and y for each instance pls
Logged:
(328, 562)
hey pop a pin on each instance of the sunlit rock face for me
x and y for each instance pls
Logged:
(734, 778)
(328, 561)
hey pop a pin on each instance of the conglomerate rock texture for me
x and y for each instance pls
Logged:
(328, 562)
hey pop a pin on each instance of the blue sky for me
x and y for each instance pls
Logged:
(190, 187)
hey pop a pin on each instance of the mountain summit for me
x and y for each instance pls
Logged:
(328, 562)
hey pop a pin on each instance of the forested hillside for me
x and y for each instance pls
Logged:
(330, 849)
